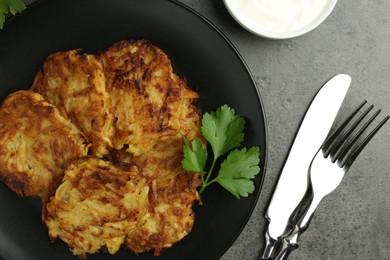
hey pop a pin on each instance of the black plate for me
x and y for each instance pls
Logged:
(198, 51)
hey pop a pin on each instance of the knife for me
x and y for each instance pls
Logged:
(293, 180)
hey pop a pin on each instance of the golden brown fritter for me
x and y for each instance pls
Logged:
(35, 140)
(75, 83)
(161, 216)
(165, 155)
(96, 206)
(150, 103)
(169, 216)
(172, 193)
(153, 111)
(135, 111)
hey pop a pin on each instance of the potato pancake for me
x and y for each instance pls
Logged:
(169, 217)
(75, 83)
(150, 103)
(160, 218)
(172, 193)
(153, 111)
(96, 205)
(35, 140)
(105, 148)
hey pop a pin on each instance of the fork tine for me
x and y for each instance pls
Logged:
(341, 140)
(348, 162)
(329, 142)
(344, 150)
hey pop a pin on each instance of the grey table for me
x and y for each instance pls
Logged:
(354, 222)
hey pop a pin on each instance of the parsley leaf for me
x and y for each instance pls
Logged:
(195, 156)
(2, 20)
(223, 129)
(237, 171)
(3, 11)
(13, 6)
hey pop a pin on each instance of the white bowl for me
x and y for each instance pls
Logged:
(259, 27)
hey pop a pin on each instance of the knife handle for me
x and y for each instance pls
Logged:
(285, 249)
(290, 242)
(270, 246)
(283, 246)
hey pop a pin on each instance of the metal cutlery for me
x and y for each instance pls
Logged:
(293, 181)
(327, 169)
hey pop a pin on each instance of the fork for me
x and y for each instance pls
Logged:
(326, 171)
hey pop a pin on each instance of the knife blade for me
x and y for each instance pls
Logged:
(293, 180)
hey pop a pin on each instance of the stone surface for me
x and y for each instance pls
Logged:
(354, 221)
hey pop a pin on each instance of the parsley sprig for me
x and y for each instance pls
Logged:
(13, 6)
(223, 129)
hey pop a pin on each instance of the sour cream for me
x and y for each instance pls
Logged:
(280, 18)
